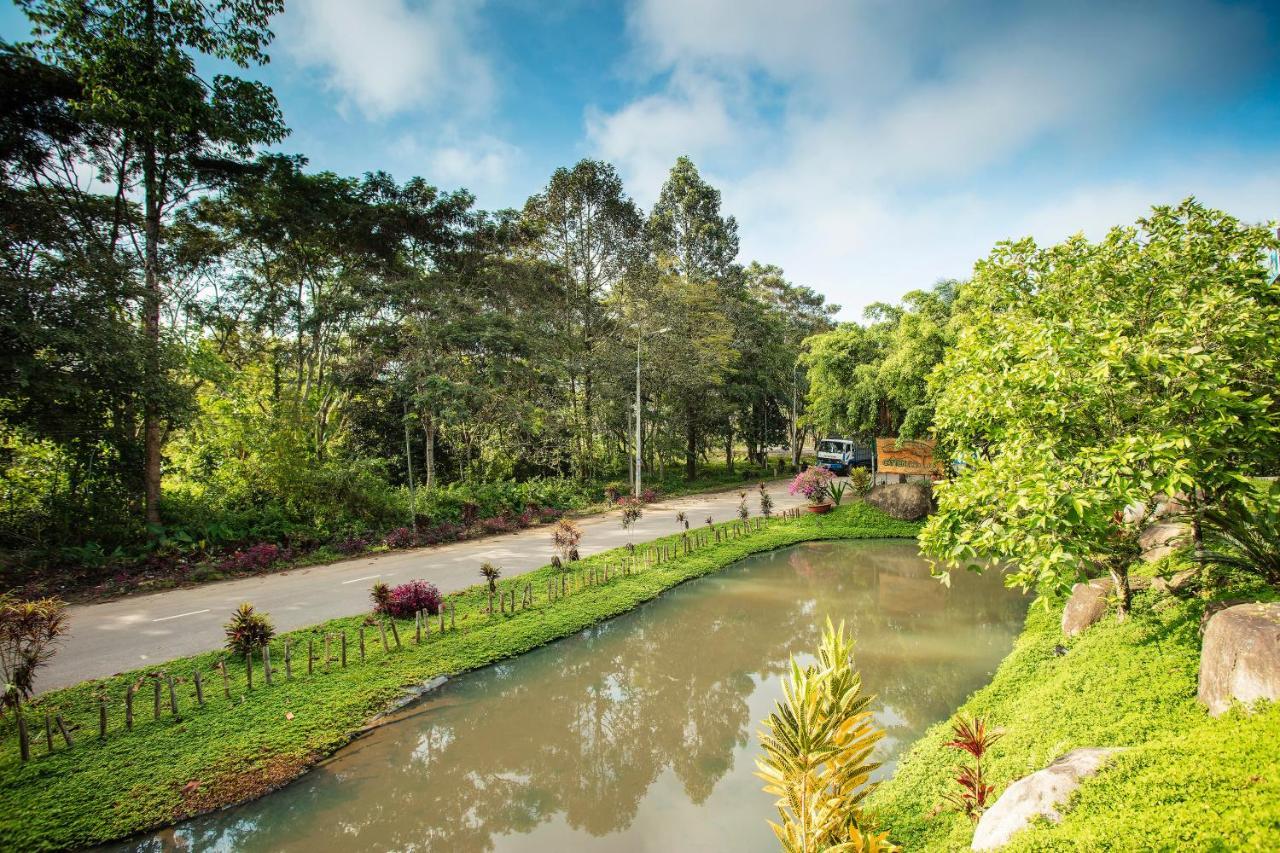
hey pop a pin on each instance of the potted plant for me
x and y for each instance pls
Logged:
(815, 484)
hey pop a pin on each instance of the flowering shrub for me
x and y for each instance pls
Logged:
(814, 484)
(649, 495)
(529, 517)
(401, 537)
(254, 559)
(402, 601)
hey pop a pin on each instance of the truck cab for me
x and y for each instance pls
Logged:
(841, 455)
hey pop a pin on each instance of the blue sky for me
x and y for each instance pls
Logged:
(868, 147)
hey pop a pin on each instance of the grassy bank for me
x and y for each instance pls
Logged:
(231, 750)
(1187, 781)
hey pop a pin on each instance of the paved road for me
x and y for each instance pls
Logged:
(136, 631)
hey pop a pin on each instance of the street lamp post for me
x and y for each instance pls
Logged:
(639, 450)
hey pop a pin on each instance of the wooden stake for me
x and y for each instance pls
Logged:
(66, 733)
(248, 670)
(173, 697)
(199, 689)
(382, 631)
(266, 663)
(327, 637)
(102, 717)
(452, 612)
(48, 731)
(394, 633)
(311, 655)
(156, 683)
(417, 627)
(361, 644)
(128, 705)
(288, 661)
(24, 741)
(226, 681)
(343, 635)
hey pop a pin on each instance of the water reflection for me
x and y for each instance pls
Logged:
(638, 734)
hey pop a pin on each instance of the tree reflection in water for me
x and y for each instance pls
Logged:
(651, 712)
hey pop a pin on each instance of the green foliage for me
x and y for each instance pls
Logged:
(1088, 377)
(766, 503)
(817, 748)
(1187, 781)
(860, 481)
(1244, 532)
(632, 509)
(490, 573)
(837, 490)
(975, 738)
(135, 780)
(248, 631)
(28, 630)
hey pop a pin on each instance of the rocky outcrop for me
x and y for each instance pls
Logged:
(1240, 657)
(1038, 795)
(1088, 602)
(905, 501)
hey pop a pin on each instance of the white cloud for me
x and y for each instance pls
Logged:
(478, 161)
(386, 56)
(852, 139)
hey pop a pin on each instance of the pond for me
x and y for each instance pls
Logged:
(638, 734)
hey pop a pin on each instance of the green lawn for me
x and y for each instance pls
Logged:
(230, 750)
(1188, 782)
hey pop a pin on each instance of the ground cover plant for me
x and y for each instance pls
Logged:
(205, 757)
(1186, 782)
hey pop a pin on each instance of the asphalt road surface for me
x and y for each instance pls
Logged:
(141, 630)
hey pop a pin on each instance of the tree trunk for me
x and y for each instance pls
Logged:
(151, 330)
(429, 452)
(728, 450)
(1120, 577)
(691, 445)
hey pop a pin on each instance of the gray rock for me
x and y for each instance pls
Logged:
(1088, 602)
(1179, 582)
(1159, 540)
(1040, 794)
(1240, 657)
(905, 501)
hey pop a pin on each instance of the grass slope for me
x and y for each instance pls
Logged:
(1188, 782)
(229, 751)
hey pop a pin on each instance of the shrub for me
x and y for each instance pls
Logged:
(632, 510)
(491, 573)
(614, 490)
(248, 630)
(401, 537)
(743, 511)
(973, 737)
(766, 502)
(381, 595)
(405, 600)
(817, 749)
(28, 630)
(1244, 532)
(649, 496)
(497, 524)
(257, 558)
(351, 545)
(682, 518)
(814, 483)
(565, 537)
(860, 481)
(837, 490)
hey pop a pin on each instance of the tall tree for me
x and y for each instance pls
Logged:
(136, 65)
(686, 226)
(590, 232)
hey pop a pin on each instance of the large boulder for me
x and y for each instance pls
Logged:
(1037, 795)
(1088, 602)
(1240, 657)
(905, 501)
(1159, 540)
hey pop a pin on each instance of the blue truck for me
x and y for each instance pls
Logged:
(842, 455)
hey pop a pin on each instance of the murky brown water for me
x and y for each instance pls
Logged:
(640, 734)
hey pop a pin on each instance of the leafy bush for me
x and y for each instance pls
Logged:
(649, 496)
(837, 490)
(860, 481)
(565, 537)
(1244, 530)
(743, 511)
(632, 509)
(256, 558)
(248, 630)
(614, 490)
(401, 537)
(351, 545)
(490, 573)
(405, 600)
(498, 524)
(973, 737)
(28, 630)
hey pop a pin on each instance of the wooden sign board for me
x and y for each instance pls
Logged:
(912, 457)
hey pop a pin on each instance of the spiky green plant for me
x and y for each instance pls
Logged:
(817, 745)
(248, 630)
(490, 573)
(1243, 532)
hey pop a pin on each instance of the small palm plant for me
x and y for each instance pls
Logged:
(974, 737)
(743, 512)
(817, 747)
(682, 519)
(1243, 533)
(766, 502)
(248, 630)
(491, 573)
